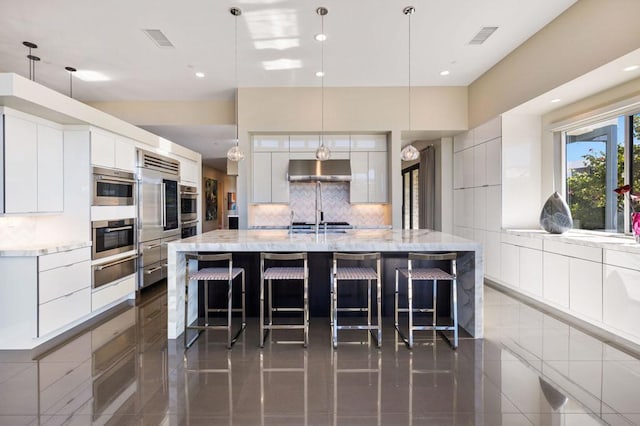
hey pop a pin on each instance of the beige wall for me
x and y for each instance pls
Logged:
(171, 112)
(362, 109)
(586, 36)
(225, 184)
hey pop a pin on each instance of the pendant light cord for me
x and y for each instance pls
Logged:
(411, 13)
(236, 73)
(322, 83)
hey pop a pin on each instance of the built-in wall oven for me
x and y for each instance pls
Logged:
(189, 228)
(113, 187)
(112, 237)
(188, 203)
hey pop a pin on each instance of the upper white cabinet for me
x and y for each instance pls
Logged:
(368, 143)
(270, 143)
(33, 165)
(369, 169)
(112, 151)
(270, 184)
(301, 143)
(189, 171)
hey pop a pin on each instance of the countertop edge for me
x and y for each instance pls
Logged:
(609, 242)
(44, 249)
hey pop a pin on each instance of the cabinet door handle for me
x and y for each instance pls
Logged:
(152, 270)
(153, 246)
(117, 262)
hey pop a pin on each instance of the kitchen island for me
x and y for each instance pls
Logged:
(393, 244)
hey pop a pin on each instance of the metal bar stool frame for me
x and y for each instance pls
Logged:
(218, 274)
(273, 273)
(356, 274)
(427, 274)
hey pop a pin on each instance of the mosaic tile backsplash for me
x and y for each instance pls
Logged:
(335, 204)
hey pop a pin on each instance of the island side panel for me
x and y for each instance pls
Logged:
(175, 292)
(470, 288)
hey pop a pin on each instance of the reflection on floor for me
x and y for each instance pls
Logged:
(530, 369)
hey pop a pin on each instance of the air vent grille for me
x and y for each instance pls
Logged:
(159, 38)
(483, 35)
(163, 164)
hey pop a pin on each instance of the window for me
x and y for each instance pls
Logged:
(598, 159)
(410, 204)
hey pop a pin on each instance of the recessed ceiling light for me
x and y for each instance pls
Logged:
(320, 37)
(631, 68)
(556, 100)
(200, 74)
(319, 74)
(445, 72)
(87, 75)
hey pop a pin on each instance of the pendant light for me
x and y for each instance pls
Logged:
(322, 153)
(71, 71)
(32, 59)
(235, 153)
(409, 152)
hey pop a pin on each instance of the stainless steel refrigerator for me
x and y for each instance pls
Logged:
(158, 214)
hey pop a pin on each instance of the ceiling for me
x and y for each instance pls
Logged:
(367, 45)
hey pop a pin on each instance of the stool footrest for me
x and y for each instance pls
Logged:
(224, 310)
(423, 310)
(352, 309)
(357, 327)
(284, 327)
(431, 327)
(207, 327)
(287, 309)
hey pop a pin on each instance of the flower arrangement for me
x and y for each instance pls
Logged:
(634, 199)
(634, 203)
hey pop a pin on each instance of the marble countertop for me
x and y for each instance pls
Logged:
(40, 249)
(618, 242)
(352, 240)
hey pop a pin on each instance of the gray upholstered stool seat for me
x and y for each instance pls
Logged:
(361, 272)
(214, 275)
(270, 274)
(417, 274)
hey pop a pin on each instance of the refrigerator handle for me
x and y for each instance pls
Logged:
(163, 196)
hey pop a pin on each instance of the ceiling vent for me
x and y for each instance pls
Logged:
(158, 38)
(483, 35)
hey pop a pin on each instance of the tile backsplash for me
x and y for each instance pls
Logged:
(335, 204)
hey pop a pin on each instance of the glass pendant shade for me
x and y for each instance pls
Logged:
(235, 153)
(323, 153)
(409, 153)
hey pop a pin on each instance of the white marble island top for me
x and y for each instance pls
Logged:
(351, 240)
(470, 277)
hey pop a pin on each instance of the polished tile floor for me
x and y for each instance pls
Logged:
(530, 369)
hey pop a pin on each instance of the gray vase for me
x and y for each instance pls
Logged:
(556, 216)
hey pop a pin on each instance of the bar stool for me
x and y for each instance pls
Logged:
(356, 273)
(281, 273)
(209, 276)
(434, 275)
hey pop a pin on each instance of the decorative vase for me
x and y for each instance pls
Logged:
(635, 225)
(555, 217)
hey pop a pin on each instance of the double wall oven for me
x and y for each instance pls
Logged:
(113, 237)
(158, 214)
(188, 211)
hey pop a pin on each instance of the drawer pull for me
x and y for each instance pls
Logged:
(117, 262)
(152, 246)
(152, 270)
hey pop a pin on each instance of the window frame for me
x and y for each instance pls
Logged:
(407, 172)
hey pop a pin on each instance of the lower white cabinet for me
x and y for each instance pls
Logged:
(64, 288)
(510, 258)
(492, 255)
(556, 279)
(531, 271)
(585, 288)
(621, 299)
(108, 294)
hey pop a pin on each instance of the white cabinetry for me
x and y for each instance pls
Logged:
(33, 165)
(585, 288)
(369, 169)
(112, 151)
(189, 172)
(64, 289)
(270, 184)
(556, 279)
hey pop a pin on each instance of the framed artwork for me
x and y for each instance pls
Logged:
(211, 199)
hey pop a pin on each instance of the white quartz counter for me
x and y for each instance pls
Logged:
(40, 249)
(603, 240)
(470, 260)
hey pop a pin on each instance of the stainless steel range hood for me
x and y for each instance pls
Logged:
(323, 171)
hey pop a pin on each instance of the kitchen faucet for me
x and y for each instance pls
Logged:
(319, 212)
